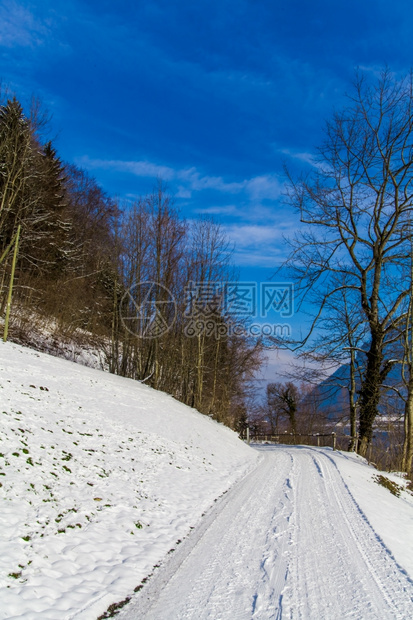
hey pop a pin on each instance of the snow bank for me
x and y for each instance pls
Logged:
(390, 516)
(100, 478)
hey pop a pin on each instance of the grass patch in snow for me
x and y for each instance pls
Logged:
(114, 609)
(393, 487)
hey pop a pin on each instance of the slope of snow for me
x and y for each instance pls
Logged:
(391, 517)
(100, 478)
(45, 335)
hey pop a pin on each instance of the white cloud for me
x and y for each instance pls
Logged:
(278, 365)
(191, 180)
(138, 168)
(264, 187)
(308, 158)
(19, 27)
(245, 235)
(257, 234)
(183, 192)
(255, 245)
(197, 182)
(219, 210)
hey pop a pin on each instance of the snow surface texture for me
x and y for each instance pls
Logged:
(288, 541)
(100, 478)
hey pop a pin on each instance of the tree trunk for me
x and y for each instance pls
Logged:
(370, 392)
(353, 408)
(408, 428)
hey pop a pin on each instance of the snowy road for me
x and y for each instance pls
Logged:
(289, 541)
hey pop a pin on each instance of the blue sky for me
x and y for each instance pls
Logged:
(214, 96)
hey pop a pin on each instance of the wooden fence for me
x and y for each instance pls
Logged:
(333, 440)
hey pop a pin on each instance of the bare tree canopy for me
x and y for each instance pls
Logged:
(357, 205)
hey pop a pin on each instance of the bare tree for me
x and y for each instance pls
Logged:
(407, 375)
(356, 205)
(337, 358)
(208, 269)
(283, 400)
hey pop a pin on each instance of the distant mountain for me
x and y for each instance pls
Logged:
(333, 394)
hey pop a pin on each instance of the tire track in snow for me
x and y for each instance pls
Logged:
(340, 568)
(393, 583)
(288, 541)
(243, 545)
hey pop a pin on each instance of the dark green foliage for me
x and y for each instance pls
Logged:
(17, 170)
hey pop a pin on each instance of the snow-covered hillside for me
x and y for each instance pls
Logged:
(105, 482)
(100, 478)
